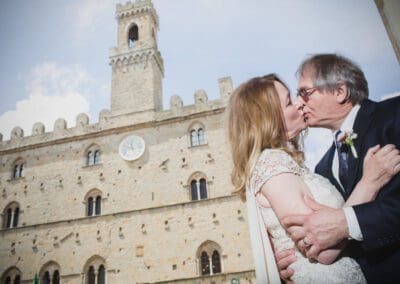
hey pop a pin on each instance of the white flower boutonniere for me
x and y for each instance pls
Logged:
(348, 140)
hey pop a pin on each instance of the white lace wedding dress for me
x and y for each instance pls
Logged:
(275, 162)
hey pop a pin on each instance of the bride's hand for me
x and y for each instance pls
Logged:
(380, 165)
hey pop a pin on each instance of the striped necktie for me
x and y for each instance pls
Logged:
(343, 157)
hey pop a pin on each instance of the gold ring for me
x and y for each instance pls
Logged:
(305, 243)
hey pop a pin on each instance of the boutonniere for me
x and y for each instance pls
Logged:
(348, 138)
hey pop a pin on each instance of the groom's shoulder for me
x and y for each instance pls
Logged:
(386, 108)
(391, 103)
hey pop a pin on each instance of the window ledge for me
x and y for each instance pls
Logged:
(16, 180)
(198, 146)
(92, 166)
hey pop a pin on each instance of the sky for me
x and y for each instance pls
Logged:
(54, 53)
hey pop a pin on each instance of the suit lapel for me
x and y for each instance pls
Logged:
(361, 125)
(324, 168)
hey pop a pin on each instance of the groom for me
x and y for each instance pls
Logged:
(334, 94)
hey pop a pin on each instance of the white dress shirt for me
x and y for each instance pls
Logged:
(351, 218)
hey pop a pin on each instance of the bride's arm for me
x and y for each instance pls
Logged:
(285, 194)
(378, 169)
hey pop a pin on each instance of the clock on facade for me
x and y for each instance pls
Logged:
(132, 148)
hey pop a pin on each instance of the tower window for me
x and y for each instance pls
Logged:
(50, 273)
(95, 271)
(11, 215)
(197, 135)
(93, 203)
(93, 155)
(209, 258)
(18, 169)
(216, 262)
(11, 276)
(198, 186)
(133, 36)
(205, 264)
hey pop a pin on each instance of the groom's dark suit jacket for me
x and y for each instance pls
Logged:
(379, 253)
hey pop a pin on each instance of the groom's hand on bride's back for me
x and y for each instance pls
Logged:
(325, 228)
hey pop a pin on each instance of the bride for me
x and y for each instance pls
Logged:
(268, 172)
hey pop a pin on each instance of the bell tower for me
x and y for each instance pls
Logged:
(137, 65)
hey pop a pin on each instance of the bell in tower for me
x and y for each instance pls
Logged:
(137, 65)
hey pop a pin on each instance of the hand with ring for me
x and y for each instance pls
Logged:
(306, 244)
(303, 245)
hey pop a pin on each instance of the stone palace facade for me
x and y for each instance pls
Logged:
(142, 196)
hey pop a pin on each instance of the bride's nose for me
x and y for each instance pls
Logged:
(299, 106)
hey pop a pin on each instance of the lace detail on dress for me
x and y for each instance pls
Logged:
(272, 162)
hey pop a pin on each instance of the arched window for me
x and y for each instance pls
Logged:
(194, 190)
(133, 36)
(8, 218)
(93, 155)
(98, 205)
(91, 276)
(46, 278)
(96, 159)
(16, 216)
(200, 134)
(209, 258)
(90, 206)
(50, 273)
(90, 158)
(56, 277)
(198, 186)
(95, 271)
(216, 262)
(11, 276)
(197, 134)
(205, 264)
(194, 139)
(18, 169)
(101, 275)
(17, 279)
(93, 202)
(203, 189)
(11, 215)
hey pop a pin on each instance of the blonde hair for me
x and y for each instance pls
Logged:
(256, 122)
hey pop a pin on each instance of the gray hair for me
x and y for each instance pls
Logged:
(330, 70)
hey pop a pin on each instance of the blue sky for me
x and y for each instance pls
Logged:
(54, 54)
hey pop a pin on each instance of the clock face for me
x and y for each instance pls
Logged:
(132, 148)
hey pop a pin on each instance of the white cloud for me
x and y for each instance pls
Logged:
(53, 91)
(317, 143)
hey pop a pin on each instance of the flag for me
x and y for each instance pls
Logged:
(36, 279)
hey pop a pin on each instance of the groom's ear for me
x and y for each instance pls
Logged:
(341, 93)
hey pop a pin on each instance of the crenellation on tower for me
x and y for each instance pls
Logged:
(60, 125)
(200, 98)
(16, 133)
(82, 120)
(38, 128)
(135, 8)
(225, 87)
(107, 122)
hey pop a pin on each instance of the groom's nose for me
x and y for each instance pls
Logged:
(301, 100)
